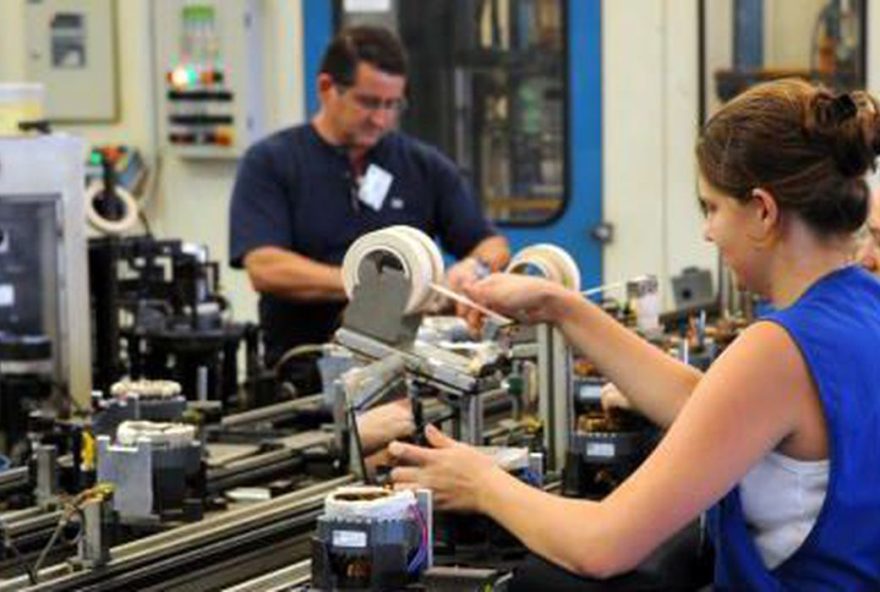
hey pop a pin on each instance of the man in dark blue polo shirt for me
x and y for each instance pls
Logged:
(304, 194)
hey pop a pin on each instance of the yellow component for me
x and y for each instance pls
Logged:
(104, 489)
(193, 417)
(19, 102)
(89, 451)
(531, 423)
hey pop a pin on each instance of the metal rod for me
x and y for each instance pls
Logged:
(358, 445)
(613, 285)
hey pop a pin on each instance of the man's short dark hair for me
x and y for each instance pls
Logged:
(374, 45)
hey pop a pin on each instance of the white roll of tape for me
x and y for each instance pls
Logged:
(105, 225)
(547, 261)
(438, 269)
(407, 248)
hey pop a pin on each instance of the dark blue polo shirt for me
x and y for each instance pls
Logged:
(294, 191)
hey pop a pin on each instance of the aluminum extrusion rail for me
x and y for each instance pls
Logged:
(271, 412)
(281, 580)
(228, 538)
(12, 480)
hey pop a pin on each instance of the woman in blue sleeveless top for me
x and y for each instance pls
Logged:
(781, 436)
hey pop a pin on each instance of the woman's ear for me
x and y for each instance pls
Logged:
(767, 215)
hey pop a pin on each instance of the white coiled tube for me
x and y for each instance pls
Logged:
(105, 225)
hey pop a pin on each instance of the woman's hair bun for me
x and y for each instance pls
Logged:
(848, 124)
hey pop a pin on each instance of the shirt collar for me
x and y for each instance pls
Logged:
(372, 154)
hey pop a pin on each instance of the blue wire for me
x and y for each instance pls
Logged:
(418, 560)
(421, 557)
(531, 477)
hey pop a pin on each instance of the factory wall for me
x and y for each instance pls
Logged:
(778, 14)
(650, 95)
(651, 98)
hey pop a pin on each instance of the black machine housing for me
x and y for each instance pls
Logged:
(364, 554)
(158, 314)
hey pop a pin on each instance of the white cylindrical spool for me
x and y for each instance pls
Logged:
(409, 249)
(438, 270)
(647, 307)
(102, 224)
(368, 502)
(549, 262)
(437, 267)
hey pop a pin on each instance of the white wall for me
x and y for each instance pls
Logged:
(191, 198)
(12, 40)
(651, 95)
(719, 25)
(782, 50)
(873, 49)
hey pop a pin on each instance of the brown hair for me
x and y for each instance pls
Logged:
(805, 145)
(376, 46)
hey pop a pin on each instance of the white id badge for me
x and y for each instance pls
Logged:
(374, 187)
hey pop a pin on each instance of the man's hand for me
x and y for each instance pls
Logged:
(463, 274)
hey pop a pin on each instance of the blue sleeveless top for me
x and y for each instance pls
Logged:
(836, 326)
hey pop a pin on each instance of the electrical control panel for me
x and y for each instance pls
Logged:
(209, 57)
(72, 51)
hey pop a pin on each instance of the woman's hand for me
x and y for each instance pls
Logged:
(528, 299)
(453, 471)
(612, 398)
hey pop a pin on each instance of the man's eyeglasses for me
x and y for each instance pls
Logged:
(372, 103)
